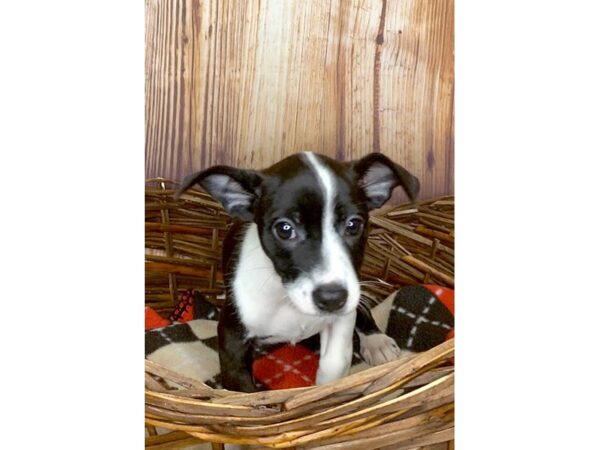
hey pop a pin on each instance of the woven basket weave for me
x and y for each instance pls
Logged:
(402, 404)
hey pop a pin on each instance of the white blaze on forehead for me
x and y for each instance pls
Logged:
(336, 265)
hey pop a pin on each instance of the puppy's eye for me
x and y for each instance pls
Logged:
(354, 226)
(284, 230)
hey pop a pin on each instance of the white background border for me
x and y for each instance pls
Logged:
(72, 154)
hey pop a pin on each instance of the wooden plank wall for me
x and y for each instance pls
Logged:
(246, 83)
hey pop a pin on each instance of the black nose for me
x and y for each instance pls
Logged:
(330, 297)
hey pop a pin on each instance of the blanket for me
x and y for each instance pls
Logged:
(416, 317)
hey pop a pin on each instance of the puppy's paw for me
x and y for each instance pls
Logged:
(378, 348)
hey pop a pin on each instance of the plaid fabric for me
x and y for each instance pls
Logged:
(287, 366)
(416, 317)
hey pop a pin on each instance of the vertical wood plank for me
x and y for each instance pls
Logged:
(248, 83)
(417, 109)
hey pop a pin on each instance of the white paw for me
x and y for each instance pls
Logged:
(379, 348)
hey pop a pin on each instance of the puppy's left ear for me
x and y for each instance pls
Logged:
(378, 176)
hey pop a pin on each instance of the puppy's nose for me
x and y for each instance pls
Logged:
(330, 297)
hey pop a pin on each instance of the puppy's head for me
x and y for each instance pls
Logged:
(311, 214)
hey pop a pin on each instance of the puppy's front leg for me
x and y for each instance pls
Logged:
(336, 349)
(235, 354)
(375, 347)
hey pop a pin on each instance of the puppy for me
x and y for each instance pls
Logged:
(291, 260)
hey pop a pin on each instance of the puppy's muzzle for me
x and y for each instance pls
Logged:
(330, 297)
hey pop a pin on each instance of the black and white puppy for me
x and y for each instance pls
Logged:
(291, 262)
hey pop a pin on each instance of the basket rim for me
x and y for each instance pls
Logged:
(279, 418)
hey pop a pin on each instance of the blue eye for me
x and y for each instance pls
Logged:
(354, 226)
(284, 230)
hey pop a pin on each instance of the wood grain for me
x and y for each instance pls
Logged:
(246, 83)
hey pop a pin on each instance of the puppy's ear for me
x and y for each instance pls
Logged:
(378, 176)
(236, 189)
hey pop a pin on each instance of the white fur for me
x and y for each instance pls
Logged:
(336, 349)
(263, 302)
(378, 348)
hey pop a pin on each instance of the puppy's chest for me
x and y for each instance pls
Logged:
(281, 323)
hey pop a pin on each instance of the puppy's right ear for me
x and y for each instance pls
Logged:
(236, 189)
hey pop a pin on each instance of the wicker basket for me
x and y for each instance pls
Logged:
(402, 404)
